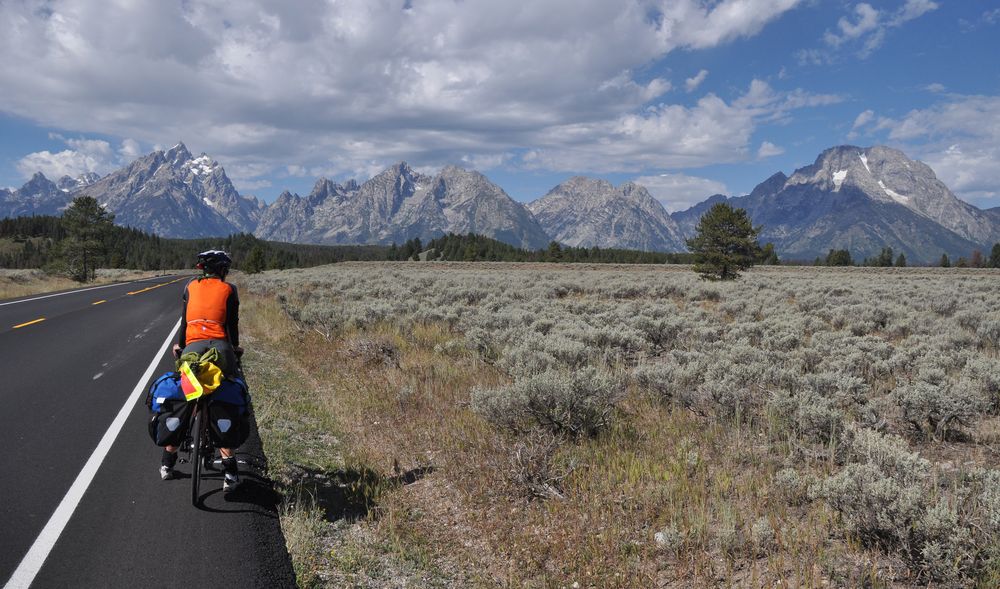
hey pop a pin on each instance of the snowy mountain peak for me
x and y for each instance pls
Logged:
(866, 198)
(171, 194)
(67, 183)
(203, 165)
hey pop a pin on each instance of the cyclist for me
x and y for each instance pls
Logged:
(211, 315)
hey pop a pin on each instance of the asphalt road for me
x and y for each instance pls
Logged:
(68, 366)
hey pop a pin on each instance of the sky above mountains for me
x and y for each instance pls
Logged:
(688, 97)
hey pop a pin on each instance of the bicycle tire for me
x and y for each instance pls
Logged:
(196, 461)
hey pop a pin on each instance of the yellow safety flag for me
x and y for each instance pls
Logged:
(189, 383)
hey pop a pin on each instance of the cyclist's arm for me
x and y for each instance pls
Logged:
(233, 317)
(182, 333)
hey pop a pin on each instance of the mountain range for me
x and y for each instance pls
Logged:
(855, 198)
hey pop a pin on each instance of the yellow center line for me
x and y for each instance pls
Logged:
(20, 325)
(135, 292)
(99, 302)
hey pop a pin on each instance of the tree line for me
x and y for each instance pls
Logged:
(842, 257)
(84, 238)
(478, 248)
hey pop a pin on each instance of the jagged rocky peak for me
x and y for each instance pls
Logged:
(638, 193)
(887, 175)
(325, 189)
(772, 185)
(68, 183)
(589, 212)
(178, 154)
(881, 172)
(37, 183)
(584, 185)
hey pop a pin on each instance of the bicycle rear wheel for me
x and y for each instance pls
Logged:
(196, 461)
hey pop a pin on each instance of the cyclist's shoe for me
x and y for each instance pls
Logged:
(230, 483)
(167, 473)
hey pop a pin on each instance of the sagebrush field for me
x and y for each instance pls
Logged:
(483, 424)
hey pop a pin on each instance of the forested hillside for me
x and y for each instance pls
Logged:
(35, 242)
(475, 248)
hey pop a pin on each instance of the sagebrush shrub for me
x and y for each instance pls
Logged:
(575, 404)
(939, 409)
(880, 495)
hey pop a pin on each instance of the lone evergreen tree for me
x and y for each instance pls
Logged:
(87, 225)
(725, 244)
(945, 262)
(995, 256)
(901, 261)
(255, 261)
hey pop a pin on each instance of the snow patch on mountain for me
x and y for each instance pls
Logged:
(838, 179)
(895, 195)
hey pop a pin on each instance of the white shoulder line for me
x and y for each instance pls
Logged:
(39, 551)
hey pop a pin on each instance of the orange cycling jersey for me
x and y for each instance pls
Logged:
(210, 311)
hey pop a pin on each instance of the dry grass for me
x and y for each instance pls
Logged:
(662, 469)
(374, 423)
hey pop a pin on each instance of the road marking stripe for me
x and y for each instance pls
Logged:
(154, 287)
(20, 325)
(99, 302)
(59, 294)
(39, 551)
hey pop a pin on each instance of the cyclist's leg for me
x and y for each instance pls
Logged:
(167, 462)
(231, 476)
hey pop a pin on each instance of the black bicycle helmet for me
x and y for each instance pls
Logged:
(214, 262)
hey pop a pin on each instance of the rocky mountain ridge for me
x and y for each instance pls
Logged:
(587, 212)
(861, 199)
(399, 204)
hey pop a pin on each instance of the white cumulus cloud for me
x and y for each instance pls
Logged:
(350, 84)
(82, 156)
(866, 27)
(678, 192)
(956, 138)
(768, 149)
(692, 83)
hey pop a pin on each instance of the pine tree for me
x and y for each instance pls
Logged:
(255, 261)
(768, 256)
(885, 257)
(87, 226)
(725, 243)
(901, 261)
(945, 262)
(995, 256)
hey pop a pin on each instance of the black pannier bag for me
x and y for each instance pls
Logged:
(227, 425)
(171, 412)
(228, 415)
(168, 426)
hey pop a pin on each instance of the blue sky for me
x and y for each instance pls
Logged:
(688, 97)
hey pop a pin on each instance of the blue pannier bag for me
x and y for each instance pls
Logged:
(166, 388)
(232, 391)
